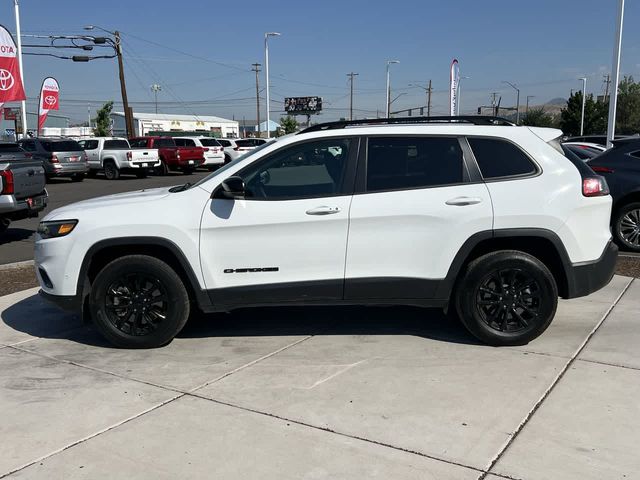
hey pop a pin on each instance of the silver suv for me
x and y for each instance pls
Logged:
(61, 157)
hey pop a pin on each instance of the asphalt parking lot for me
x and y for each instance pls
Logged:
(16, 244)
(323, 393)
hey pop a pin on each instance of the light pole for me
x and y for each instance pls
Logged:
(517, 100)
(528, 97)
(389, 62)
(256, 68)
(460, 94)
(615, 72)
(584, 99)
(115, 43)
(266, 73)
(155, 88)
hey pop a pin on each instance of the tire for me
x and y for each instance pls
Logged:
(138, 325)
(163, 169)
(626, 227)
(227, 158)
(4, 224)
(111, 171)
(77, 177)
(506, 298)
(141, 174)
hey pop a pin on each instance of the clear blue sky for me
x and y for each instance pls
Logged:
(542, 46)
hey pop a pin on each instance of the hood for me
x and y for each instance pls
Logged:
(108, 201)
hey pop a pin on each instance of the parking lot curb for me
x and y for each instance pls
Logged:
(10, 266)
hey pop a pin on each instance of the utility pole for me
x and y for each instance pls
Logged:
(517, 100)
(493, 104)
(89, 114)
(128, 116)
(351, 75)
(607, 82)
(256, 68)
(429, 100)
(155, 88)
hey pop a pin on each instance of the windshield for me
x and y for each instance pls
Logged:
(232, 163)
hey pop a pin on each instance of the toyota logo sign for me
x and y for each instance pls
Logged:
(50, 100)
(6, 79)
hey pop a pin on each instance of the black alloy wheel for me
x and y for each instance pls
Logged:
(111, 172)
(136, 303)
(139, 301)
(506, 297)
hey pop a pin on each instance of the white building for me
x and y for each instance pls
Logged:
(143, 123)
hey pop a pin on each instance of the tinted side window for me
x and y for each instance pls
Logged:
(224, 143)
(116, 144)
(412, 162)
(29, 146)
(312, 169)
(635, 154)
(89, 144)
(138, 143)
(499, 158)
(180, 142)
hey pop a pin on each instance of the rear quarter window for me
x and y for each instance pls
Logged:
(499, 158)
(116, 145)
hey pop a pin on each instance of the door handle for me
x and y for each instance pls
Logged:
(463, 201)
(323, 210)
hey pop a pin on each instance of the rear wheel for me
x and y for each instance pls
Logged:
(626, 227)
(139, 301)
(77, 177)
(163, 169)
(506, 298)
(111, 171)
(4, 224)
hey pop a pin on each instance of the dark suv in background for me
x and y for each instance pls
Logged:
(61, 157)
(620, 165)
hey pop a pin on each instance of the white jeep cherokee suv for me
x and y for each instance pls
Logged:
(470, 214)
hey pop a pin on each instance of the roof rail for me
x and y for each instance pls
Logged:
(472, 119)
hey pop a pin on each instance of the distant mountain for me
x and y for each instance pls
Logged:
(557, 101)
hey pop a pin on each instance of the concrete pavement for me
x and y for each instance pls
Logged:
(319, 393)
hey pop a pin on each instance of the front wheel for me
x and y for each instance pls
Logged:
(506, 298)
(626, 227)
(139, 301)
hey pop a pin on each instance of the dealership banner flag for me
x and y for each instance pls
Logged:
(49, 99)
(11, 88)
(454, 78)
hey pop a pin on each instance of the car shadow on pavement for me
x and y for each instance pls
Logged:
(15, 235)
(34, 317)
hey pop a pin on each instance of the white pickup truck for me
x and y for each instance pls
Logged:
(115, 156)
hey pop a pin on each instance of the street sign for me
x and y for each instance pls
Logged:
(11, 113)
(302, 105)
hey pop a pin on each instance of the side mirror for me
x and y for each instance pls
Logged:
(232, 187)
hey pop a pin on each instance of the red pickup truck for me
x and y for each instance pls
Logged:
(172, 157)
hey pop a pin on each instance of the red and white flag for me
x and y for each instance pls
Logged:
(11, 88)
(49, 100)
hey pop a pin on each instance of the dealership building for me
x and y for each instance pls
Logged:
(143, 123)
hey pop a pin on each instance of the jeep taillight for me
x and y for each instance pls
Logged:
(594, 186)
(129, 155)
(7, 182)
(206, 149)
(54, 159)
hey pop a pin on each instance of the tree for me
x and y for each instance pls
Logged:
(628, 111)
(289, 124)
(103, 120)
(537, 117)
(595, 116)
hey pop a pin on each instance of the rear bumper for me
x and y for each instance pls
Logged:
(15, 209)
(68, 169)
(587, 277)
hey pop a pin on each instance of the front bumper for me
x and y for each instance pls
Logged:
(69, 303)
(587, 277)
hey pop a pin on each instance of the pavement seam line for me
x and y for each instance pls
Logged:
(253, 362)
(597, 362)
(335, 432)
(553, 384)
(93, 435)
(15, 265)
